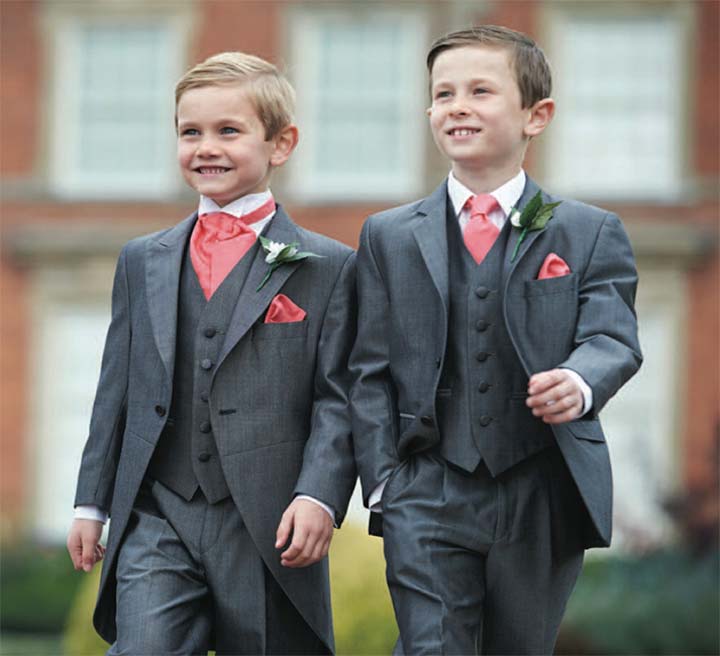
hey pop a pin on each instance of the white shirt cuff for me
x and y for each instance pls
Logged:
(91, 512)
(584, 388)
(375, 500)
(324, 506)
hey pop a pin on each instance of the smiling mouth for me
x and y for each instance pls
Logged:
(463, 132)
(211, 170)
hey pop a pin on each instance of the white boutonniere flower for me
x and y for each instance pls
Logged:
(278, 253)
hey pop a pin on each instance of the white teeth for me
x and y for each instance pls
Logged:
(209, 170)
(463, 132)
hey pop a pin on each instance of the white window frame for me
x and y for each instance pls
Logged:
(67, 178)
(306, 181)
(557, 149)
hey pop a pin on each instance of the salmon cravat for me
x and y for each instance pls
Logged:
(480, 233)
(219, 241)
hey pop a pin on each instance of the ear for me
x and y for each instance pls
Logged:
(541, 113)
(284, 143)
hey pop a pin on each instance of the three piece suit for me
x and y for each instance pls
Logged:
(211, 420)
(486, 510)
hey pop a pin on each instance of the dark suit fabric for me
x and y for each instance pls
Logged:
(276, 409)
(482, 557)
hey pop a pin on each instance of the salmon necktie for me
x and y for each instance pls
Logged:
(480, 233)
(218, 242)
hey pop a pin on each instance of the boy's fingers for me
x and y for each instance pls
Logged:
(550, 396)
(88, 553)
(544, 380)
(284, 528)
(74, 547)
(297, 545)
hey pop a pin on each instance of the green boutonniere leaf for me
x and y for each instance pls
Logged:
(534, 216)
(278, 253)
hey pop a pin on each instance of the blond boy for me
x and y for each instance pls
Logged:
(219, 443)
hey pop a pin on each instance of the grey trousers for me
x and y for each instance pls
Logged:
(190, 579)
(481, 565)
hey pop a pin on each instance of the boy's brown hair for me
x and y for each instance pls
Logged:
(269, 90)
(532, 70)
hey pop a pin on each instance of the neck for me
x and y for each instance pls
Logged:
(483, 180)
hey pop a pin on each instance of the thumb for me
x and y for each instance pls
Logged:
(284, 528)
(88, 553)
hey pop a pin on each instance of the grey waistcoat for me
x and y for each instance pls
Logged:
(481, 396)
(186, 455)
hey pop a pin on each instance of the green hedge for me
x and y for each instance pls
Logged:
(661, 603)
(37, 587)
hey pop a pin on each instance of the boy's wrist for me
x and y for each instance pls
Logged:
(91, 512)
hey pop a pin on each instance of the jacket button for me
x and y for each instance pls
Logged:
(204, 397)
(205, 427)
(485, 420)
(482, 356)
(427, 421)
(206, 364)
(483, 387)
(204, 457)
(210, 332)
(482, 292)
(482, 325)
(160, 410)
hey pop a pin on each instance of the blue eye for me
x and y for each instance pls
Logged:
(442, 94)
(480, 90)
(228, 130)
(189, 132)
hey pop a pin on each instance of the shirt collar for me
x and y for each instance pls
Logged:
(238, 207)
(507, 194)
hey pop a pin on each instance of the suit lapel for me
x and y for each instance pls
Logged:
(531, 188)
(164, 257)
(431, 237)
(252, 303)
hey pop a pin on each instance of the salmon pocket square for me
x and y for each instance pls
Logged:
(553, 267)
(283, 310)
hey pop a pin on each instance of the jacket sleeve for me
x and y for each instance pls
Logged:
(607, 351)
(107, 424)
(374, 409)
(328, 473)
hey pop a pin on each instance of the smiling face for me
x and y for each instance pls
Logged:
(476, 116)
(221, 145)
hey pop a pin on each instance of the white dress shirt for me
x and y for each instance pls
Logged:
(237, 208)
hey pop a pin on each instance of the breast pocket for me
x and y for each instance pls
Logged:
(291, 330)
(550, 286)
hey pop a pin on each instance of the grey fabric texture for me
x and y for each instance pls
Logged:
(278, 401)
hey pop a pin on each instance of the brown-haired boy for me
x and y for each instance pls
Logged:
(220, 426)
(495, 321)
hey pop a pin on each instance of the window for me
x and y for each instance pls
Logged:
(111, 128)
(71, 314)
(620, 91)
(360, 81)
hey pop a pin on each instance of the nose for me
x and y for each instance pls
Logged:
(207, 147)
(458, 107)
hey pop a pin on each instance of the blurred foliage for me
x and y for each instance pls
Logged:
(37, 587)
(660, 603)
(362, 610)
(80, 636)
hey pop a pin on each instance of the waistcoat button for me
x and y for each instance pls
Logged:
(482, 292)
(210, 332)
(160, 410)
(482, 356)
(205, 427)
(482, 325)
(204, 457)
(485, 420)
(427, 421)
(206, 364)
(204, 397)
(483, 387)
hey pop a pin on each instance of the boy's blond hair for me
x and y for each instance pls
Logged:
(532, 70)
(270, 92)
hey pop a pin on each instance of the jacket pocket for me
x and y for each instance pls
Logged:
(291, 330)
(559, 285)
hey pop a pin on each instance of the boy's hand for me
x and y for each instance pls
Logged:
(554, 396)
(311, 529)
(83, 543)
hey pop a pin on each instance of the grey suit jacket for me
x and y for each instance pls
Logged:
(287, 384)
(584, 321)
